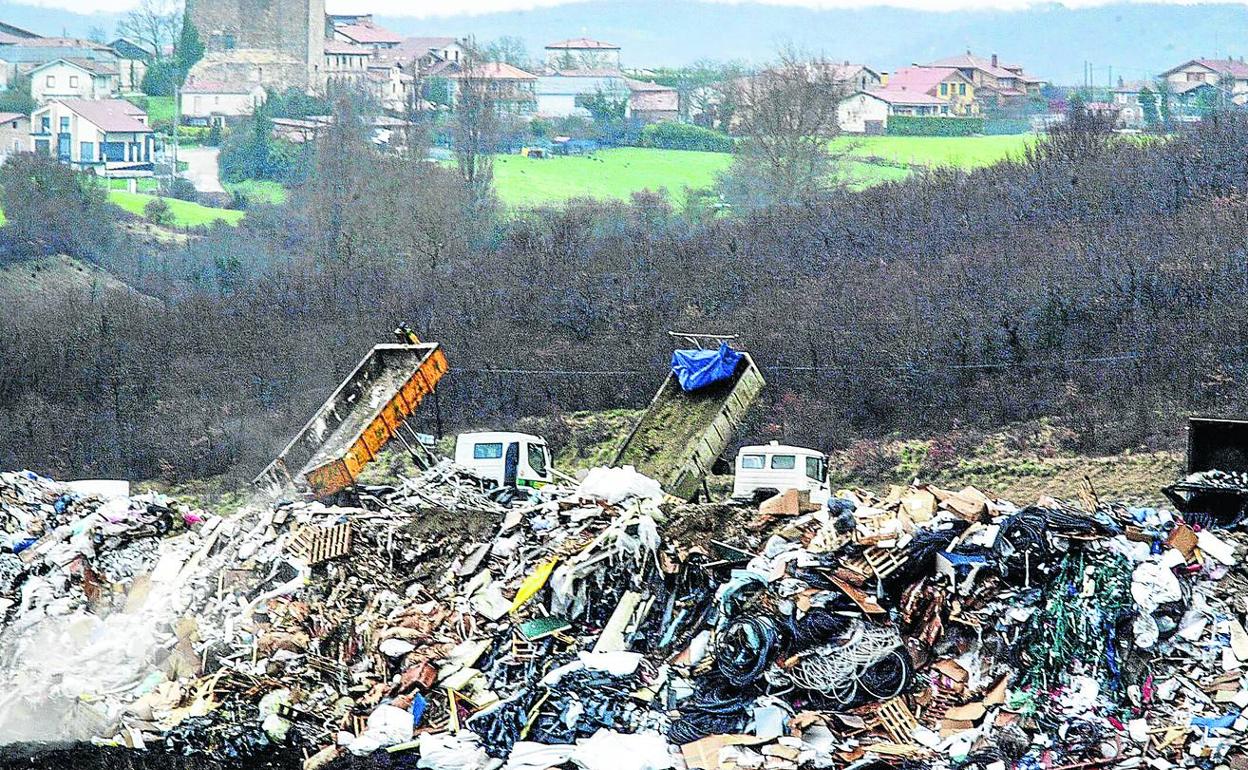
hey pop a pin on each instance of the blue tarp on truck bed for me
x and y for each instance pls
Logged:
(696, 369)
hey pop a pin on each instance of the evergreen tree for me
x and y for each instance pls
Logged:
(1148, 104)
(190, 48)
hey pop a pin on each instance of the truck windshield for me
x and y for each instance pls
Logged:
(537, 459)
(814, 468)
(487, 451)
(783, 462)
(751, 462)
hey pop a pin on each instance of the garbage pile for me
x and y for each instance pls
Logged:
(592, 626)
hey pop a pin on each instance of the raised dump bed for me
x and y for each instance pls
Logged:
(360, 418)
(682, 433)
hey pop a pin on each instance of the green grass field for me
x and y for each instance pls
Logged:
(158, 107)
(618, 173)
(962, 152)
(259, 191)
(184, 213)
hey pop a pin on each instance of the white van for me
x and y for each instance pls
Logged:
(766, 470)
(507, 459)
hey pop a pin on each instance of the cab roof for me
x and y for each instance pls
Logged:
(503, 436)
(777, 448)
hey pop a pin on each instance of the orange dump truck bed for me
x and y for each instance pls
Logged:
(361, 416)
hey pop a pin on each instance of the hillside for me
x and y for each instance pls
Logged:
(59, 276)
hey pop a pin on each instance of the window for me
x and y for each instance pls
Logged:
(73, 81)
(86, 152)
(783, 462)
(752, 462)
(487, 451)
(814, 468)
(961, 89)
(45, 125)
(537, 459)
(64, 125)
(43, 147)
(50, 81)
(944, 89)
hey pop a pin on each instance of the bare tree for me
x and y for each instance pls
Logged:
(508, 50)
(158, 23)
(476, 127)
(786, 115)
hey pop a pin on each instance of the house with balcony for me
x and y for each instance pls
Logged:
(108, 136)
(997, 83)
(208, 102)
(1228, 77)
(512, 90)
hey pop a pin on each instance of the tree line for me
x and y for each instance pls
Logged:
(1098, 281)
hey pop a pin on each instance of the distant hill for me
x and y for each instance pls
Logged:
(1136, 40)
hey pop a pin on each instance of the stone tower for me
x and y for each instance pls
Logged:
(293, 29)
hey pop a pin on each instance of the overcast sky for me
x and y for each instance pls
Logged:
(455, 7)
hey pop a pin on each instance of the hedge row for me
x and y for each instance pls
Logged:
(684, 136)
(933, 125)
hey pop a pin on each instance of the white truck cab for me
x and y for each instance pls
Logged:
(769, 469)
(507, 459)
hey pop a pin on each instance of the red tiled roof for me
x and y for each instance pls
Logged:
(900, 96)
(62, 42)
(582, 43)
(215, 87)
(493, 70)
(109, 114)
(87, 65)
(9, 117)
(367, 32)
(922, 79)
(969, 60)
(342, 47)
(1232, 67)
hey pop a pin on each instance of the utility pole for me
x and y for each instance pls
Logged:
(177, 121)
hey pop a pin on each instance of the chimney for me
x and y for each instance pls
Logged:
(994, 60)
(1120, 82)
(968, 52)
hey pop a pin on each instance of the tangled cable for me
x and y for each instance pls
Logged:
(872, 660)
(747, 647)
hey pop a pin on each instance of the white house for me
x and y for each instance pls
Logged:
(108, 136)
(14, 133)
(204, 102)
(582, 53)
(867, 112)
(74, 79)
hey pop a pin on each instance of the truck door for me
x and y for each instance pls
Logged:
(511, 464)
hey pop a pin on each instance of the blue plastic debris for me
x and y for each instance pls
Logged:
(695, 369)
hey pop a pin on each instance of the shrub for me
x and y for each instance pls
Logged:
(158, 212)
(669, 135)
(933, 125)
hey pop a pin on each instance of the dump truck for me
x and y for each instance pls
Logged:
(681, 434)
(1216, 483)
(365, 412)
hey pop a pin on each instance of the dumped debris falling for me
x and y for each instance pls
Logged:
(600, 626)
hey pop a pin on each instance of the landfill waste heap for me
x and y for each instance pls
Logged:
(599, 626)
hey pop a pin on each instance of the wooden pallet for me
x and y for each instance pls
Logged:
(317, 545)
(897, 719)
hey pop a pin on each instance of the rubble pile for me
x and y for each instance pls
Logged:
(593, 626)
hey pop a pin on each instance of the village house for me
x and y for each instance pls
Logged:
(419, 56)
(346, 63)
(205, 102)
(569, 93)
(361, 30)
(946, 83)
(512, 90)
(1227, 76)
(582, 53)
(133, 59)
(867, 112)
(14, 133)
(852, 77)
(108, 136)
(994, 82)
(74, 79)
(1127, 100)
(18, 59)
